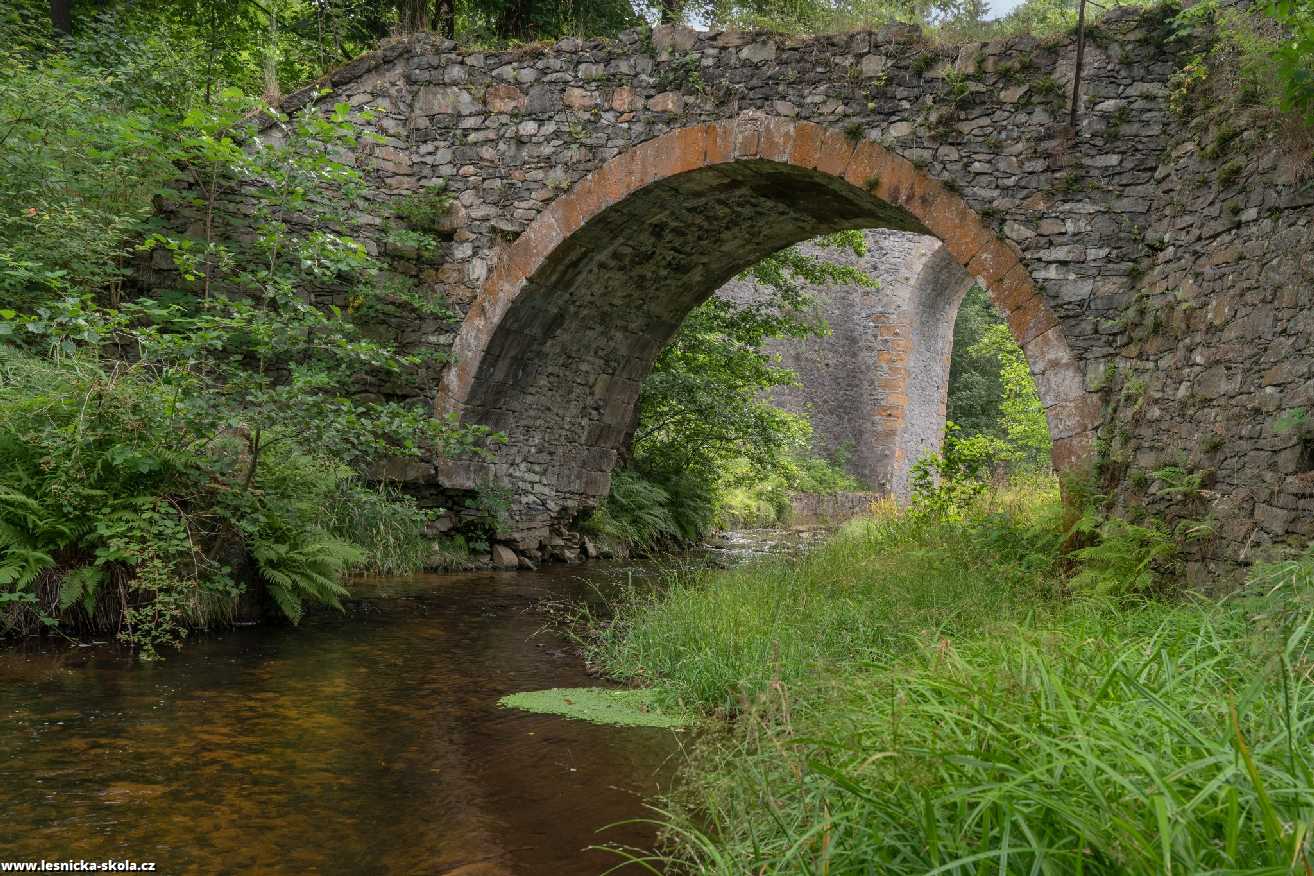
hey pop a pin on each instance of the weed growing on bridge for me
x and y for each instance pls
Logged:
(682, 74)
(1047, 88)
(1229, 173)
(426, 210)
(922, 62)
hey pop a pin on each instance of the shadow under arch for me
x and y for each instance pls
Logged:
(553, 349)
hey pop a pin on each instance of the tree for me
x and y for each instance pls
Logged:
(992, 395)
(975, 389)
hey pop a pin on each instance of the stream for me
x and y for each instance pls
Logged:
(364, 742)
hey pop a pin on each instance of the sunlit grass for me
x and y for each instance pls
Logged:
(720, 639)
(925, 697)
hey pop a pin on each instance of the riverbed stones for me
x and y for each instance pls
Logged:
(504, 557)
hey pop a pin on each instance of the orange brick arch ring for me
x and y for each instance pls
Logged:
(820, 167)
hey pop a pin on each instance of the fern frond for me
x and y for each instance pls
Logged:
(304, 565)
(287, 602)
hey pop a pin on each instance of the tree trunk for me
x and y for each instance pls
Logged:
(445, 18)
(61, 16)
(413, 15)
(514, 21)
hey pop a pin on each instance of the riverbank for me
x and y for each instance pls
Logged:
(947, 694)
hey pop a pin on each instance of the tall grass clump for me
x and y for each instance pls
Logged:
(1156, 740)
(927, 695)
(387, 525)
(716, 640)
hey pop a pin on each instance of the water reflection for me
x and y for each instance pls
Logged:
(365, 744)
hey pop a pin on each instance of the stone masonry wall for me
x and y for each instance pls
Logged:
(1159, 286)
(1210, 365)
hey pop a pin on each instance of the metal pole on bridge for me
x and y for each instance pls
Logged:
(1076, 73)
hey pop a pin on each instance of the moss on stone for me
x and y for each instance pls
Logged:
(600, 705)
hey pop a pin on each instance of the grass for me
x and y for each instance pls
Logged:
(925, 696)
(718, 640)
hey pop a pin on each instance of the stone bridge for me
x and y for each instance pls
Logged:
(604, 188)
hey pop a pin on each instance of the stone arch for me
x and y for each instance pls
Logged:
(553, 348)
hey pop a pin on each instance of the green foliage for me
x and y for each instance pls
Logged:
(117, 505)
(1041, 17)
(82, 155)
(1293, 57)
(723, 639)
(1292, 420)
(704, 426)
(750, 497)
(703, 400)
(946, 485)
(1255, 58)
(300, 564)
(486, 510)
(920, 696)
(449, 552)
(157, 455)
(975, 387)
(953, 17)
(385, 524)
(991, 391)
(1125, 559)
(1029, 750)
(639, 513)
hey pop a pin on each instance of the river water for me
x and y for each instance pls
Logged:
(364, 743)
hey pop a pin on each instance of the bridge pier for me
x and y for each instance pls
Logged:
(876, 387)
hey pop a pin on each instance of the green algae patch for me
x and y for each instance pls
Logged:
(600, 705)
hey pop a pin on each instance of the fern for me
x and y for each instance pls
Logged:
(28, 538)
(304, 565)
(636, 511)
(1126, 560)
(81, 585)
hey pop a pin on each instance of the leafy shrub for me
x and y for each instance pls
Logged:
(1292, 54)
(749, 496)
(120, 511)
(82, 155)
(946, 485)
(1256, 57)
(991, 390)
(142, 496)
